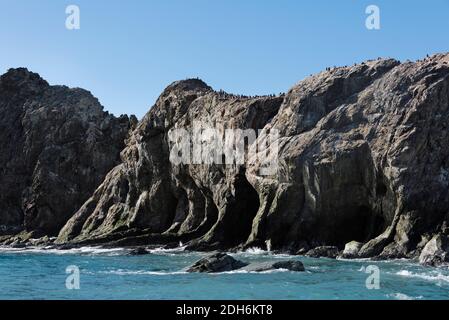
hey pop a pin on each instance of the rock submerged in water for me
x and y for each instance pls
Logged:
(139, 251)
(291, 265)
(222, 262)
(323, 252)
(218, 262)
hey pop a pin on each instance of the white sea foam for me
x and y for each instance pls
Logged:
(52, 250)
(354, 260)
(402, 296)
(255, 250)
(167, 251)
(123, 272)
(243, 271)
(231, 272)
(434, 276)
(96, 250)
(313, 267)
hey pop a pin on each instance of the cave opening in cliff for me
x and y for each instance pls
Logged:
(358, 223)
(241, 212)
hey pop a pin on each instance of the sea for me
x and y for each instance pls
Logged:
(96, 273)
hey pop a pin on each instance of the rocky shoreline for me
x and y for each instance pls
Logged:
(363, 167)
(434, 254)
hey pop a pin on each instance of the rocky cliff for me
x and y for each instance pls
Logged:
(362, 159)
(57, 144)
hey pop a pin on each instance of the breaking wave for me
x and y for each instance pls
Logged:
(52, 250)
(402, 296)
(431, 276)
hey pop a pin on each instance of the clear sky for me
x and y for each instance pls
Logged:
(127, 52)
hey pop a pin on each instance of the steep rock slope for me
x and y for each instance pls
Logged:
(369, 165)
(362, 157)
(56, 146)
(147, 192)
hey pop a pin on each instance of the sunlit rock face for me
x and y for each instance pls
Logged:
(361, 156)
(57, 144)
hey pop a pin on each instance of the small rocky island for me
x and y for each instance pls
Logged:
(363, 167)
(221, 262)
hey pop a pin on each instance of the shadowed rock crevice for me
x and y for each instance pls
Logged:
(210, 219)
(242, 211)
(235, 223)
(359, 224)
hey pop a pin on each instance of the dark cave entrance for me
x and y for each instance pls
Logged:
(240, 212)
(358, 223)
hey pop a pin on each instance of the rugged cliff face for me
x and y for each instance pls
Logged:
(56, 146)
(362, 157)
(147, 192)
(361, 151)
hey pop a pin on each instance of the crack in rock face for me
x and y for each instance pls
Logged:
(362, 159)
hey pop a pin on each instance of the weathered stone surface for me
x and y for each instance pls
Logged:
(323, 251)
(291, 265)
(352, 249)
(436, 251)
(214, 205)
(57, 144)
(218, 262)
(363, 157)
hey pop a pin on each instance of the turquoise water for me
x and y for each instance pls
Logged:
(112, 274)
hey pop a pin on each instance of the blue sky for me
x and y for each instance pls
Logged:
(127, 52)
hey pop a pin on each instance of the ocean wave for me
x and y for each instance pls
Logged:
(163, 250)
(243, 271)
(431, 276)
(95, 250)
(354, 259)
(52, 250)
(258, 252)
(403, 296)
(123, 272)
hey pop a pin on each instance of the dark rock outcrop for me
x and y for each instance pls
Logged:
(362, 155)
(323, 252)
(57, 144)
(219, 262)
(213, 206)
(139, 251)
(291, 265)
